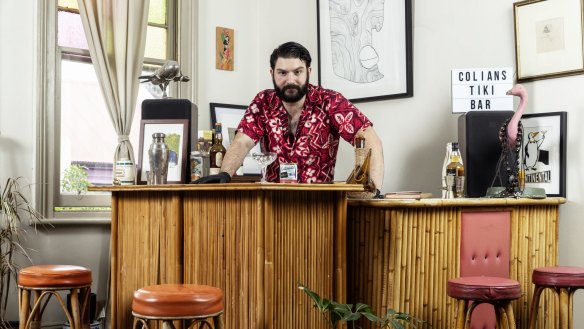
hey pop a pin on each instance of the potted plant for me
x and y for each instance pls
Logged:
(336, 313)
(15, 212)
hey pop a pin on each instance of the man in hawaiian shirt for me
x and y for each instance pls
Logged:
(301, 123)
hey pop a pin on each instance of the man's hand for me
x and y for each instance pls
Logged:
(221, 177)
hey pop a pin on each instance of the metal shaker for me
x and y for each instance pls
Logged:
(158, 155)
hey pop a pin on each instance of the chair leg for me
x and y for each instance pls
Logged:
(460, 313)
(217, 323)
(468, 316)
(564, 306)
(534, 306)
(510, 315)
(24, 307)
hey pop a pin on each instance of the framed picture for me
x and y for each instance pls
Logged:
(230, 115)
(548, 39)
(176, 131)
(224, 41)
(365, 48)
(544, 151)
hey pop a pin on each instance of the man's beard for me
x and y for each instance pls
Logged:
(291, 97)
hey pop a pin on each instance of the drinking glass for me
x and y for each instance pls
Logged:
(264, 159)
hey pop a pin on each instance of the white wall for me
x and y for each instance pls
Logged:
(447, 34)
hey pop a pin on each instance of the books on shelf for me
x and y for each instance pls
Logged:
(416, 195)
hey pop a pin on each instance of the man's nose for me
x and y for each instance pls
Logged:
(290, 78)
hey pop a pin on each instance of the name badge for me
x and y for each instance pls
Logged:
(288, 173)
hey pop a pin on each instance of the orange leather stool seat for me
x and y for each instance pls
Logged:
(37, 284)
(564, 281)
(188, 302)
(496, 291)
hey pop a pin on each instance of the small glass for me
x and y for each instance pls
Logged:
(264, 159)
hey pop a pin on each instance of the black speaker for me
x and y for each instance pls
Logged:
(171, 108)
(478, 139)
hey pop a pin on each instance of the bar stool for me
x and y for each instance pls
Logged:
(496, 291)
(190, 303)
(564, 281)
(46, 281)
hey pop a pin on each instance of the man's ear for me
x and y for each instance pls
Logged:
(271, 72)
(309, 70)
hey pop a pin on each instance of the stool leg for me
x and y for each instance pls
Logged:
(510, 315)
(468, 316)
(24, 307)
(217, 323)
(167, 324)
(535, 306)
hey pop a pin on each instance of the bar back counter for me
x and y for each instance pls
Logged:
(258, 241)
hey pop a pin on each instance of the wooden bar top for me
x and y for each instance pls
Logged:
(461, 202)
(231, 187)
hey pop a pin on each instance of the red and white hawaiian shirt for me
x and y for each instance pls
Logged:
(326, 116)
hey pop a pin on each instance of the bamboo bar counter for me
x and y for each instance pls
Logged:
(402, 252)
(254, 241)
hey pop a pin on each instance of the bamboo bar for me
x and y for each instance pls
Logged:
(423, 252)
(254, 241)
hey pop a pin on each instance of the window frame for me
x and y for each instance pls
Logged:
(47, 174)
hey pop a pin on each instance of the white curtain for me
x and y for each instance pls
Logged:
(116, 34)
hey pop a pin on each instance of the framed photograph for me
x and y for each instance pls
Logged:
(544, 151)
(176, 131)
(365, 48)
(548, 39)
(230, 115)
(224, 41)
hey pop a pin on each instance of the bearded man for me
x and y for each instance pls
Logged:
(301, 123)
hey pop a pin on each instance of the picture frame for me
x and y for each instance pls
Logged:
(543, 151)
(224, 48)
(230, 115)
(548, 39)
(176, 131)
(382, 67)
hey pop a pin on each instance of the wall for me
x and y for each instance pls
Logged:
(447, 35)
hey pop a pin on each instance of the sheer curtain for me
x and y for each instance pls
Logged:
(116, 34)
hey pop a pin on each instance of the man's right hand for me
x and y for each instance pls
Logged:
(221, 177)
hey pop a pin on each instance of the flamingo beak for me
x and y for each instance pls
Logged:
(508, 92)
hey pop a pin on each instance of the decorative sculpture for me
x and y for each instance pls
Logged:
(511, 137)
(170, 71)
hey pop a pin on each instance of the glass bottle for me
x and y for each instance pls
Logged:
(217, 151)
(455, 172)
(444, 164)
(158, 154)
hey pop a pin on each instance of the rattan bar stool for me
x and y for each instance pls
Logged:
(496, 291)
(38, 283)
(193, 304)
(564, 281)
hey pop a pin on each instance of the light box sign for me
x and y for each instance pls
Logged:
(482, 89)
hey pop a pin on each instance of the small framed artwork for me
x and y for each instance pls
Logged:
(544, 151)
(224, 40)
(548, 39)
(230, 115)
(371, 60)
(176, 131)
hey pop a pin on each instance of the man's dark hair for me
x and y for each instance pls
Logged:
(290, 50)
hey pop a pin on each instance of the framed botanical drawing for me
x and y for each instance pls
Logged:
(224, 40)
(543, 152)
(365, 48)
(548, 39)
(229, 115)
(176, 131)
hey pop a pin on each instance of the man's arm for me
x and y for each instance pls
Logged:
(373, 142)
(237, 151)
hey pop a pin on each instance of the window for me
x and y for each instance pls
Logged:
(78, 129)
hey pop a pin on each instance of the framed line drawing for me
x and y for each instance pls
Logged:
(373, 62)
(230, 115)
(176, 131)
(548, 39)
(543, 151)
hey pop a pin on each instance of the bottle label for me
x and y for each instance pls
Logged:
(214, 171)
(124, 173)
(219, 159)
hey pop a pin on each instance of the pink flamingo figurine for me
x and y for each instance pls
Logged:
(513, 125)
(511, 136)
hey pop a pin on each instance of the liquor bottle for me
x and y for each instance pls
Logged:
(217, 151)
(455, 172)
